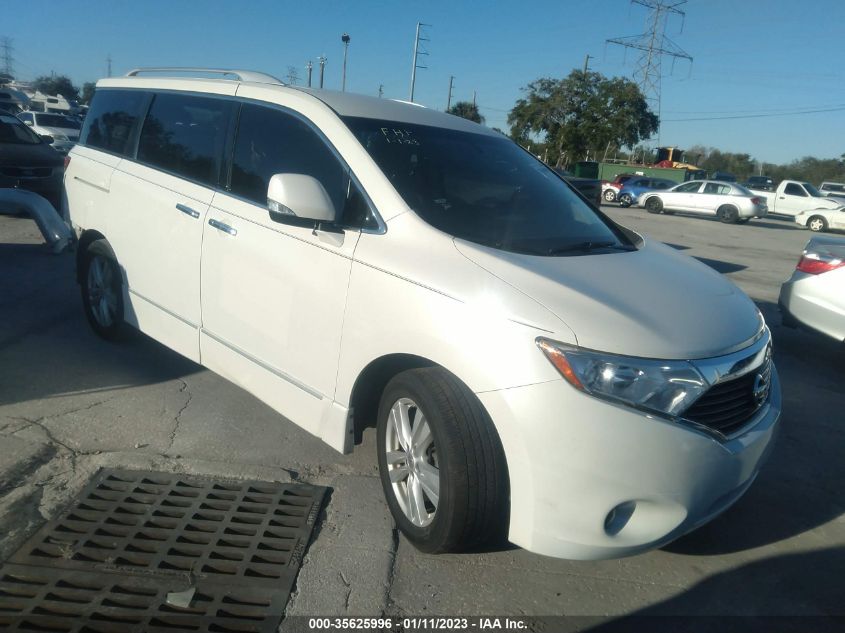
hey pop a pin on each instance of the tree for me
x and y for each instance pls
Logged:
(466, 110)
(56, 85)
(87, 92)
(584, 111)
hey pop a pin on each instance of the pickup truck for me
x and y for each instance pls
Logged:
(793, 196)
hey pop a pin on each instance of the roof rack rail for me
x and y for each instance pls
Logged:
(240, 75)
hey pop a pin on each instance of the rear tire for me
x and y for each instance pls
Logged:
(441, 463)
(101, 284)
(625, 200)
(609, 195)
(728, 214)
(817, 224)
(654, 205)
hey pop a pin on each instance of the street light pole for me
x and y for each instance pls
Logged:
(322, 59)
(345, 39)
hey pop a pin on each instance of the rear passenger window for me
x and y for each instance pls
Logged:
(273, 142)
(113, 119)
(185, 135)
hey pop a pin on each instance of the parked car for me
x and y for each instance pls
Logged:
(590, 188)
(822, 220)
(610, 190)
(792, 197)
(63, 129)
(729, 202)
(528, 363)
(27, 161)
(635, 187)
(833, 189)
(814, 297)
(760, 182)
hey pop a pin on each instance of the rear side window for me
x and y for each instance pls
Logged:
(185, 135)
(269, 142)
(113, 119)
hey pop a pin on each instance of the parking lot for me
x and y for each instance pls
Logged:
(71, 403)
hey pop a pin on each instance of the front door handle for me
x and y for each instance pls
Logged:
(188, 211)
(223, 227)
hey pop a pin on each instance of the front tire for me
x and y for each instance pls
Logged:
(442, 466)
(817, 224)
(102, 291)
(654, 205)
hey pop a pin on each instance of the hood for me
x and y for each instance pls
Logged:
(63, 131)
(654, 302)
(41, 155)
(828, 202)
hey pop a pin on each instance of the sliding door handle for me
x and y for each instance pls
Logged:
(223, 227)
(188, 211)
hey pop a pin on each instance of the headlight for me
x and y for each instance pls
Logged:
(658, 386)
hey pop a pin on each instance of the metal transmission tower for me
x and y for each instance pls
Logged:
(417, 52)
(653, 46)
(8, 60)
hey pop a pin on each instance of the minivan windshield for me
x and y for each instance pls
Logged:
(485, 189)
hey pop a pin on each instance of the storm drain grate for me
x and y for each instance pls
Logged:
(131, 538)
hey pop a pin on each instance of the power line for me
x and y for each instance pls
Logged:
(757, 116)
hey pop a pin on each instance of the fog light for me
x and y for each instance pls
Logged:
(618, 518)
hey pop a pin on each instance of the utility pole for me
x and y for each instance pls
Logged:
(345, 39)
(653, 45)
(322, 59)
(417, 52)
(293, 75)
(108, 65)
(308, 68)
(587, 59)
(473, 98)
(8, 59)
(449, 98)
(380, 90)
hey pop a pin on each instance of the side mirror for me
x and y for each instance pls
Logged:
(47, 138)
(292, 197)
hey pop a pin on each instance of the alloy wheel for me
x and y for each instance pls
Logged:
(102, 293)
(412, 462)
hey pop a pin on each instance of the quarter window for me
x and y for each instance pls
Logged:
(185, 135)
(113, 119)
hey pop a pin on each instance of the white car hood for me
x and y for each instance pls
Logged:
(654, 302)
(64, 131)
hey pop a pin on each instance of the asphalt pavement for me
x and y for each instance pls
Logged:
(71, 403)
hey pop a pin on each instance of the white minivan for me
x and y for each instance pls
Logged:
(533, 369)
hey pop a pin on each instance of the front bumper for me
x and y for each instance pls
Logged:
(573, 459)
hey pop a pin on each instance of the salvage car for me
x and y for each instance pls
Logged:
(814, 297)
(730, 202)
(528, 364)
(27, 161)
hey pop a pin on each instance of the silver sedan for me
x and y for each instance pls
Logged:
(814, 297)
(727, 201)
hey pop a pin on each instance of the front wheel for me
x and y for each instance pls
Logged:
(817, 224)
(625, 200)
(654, 205)
(441, 463)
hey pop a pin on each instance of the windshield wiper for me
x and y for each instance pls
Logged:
(588, 246)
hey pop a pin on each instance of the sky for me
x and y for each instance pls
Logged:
(756, 63)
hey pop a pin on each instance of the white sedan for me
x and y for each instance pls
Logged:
(728, 201)
(821, 220)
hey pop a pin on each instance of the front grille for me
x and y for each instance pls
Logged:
(26, 172)
(727, 406)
